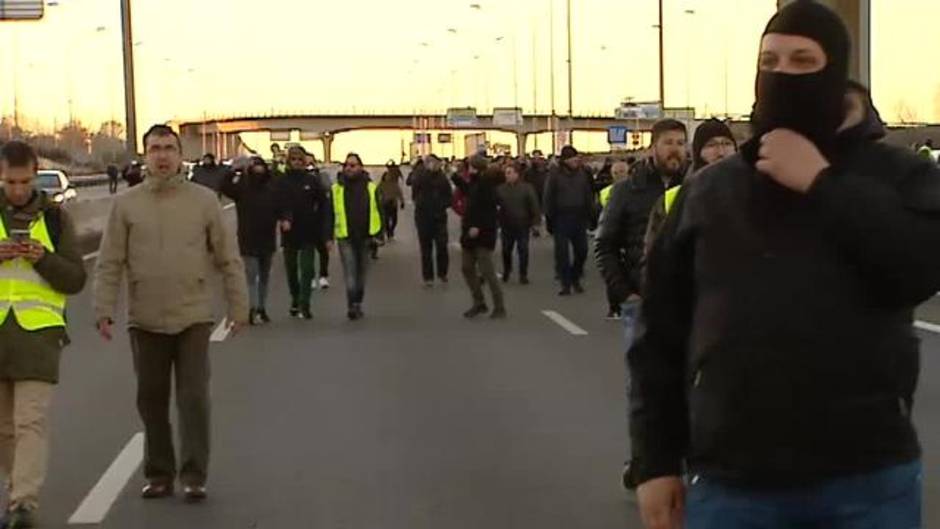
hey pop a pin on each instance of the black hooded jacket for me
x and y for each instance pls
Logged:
(307, 204)
(482, 210)
(256, 206)
(776, 345)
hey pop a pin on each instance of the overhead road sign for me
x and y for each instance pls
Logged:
(21, 9)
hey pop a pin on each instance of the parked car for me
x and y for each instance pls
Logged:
(56, 184)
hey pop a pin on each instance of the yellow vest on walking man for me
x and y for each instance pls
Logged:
(40, 265)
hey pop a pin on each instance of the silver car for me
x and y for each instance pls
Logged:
(56, 184)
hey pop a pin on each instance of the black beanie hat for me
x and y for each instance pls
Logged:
(568, 152)
(703, 134)
(808, 18)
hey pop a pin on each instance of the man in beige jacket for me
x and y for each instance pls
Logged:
(168, 236)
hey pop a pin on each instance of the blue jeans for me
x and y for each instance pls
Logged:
(355, 256)
(570, 234)
(886, 499)
(258, 273)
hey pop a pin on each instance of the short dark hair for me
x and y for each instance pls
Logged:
(162, 131)
(208, 155)
(668, 125)
(19, 154)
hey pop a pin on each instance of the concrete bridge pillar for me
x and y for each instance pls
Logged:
(327, 148)
(857, 17)
(521, 138)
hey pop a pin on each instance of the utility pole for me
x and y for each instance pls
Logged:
(662, 60)
(570, 67)
(551, 19)
(535, 78)
(130, 102)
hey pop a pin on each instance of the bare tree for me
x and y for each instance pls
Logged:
(905, 113)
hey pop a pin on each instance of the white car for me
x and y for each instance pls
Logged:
(56, 184)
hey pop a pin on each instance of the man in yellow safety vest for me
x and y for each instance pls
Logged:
(356, 222)
(40, 264)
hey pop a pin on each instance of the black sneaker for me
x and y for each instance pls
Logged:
(565, 291)
(306, 314)
(294, 311)
(475, 311)
(613, 315)
(505, 277)
(263, 314)
(251, 317)
(524, 281)
(578, 289)
(18, 518)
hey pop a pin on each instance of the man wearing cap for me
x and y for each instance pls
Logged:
(569, 208)
(777, 363)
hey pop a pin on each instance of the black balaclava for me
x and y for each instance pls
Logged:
(703, 134)
(810, 104)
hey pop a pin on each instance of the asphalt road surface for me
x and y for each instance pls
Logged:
(410, 419)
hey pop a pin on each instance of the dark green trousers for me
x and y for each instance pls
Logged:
(299, 263)
(157, 358)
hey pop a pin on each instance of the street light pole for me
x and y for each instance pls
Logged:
(130, 102)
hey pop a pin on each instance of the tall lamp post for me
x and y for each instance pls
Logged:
(130, 101)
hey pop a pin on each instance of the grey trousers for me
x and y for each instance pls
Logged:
(157, 358)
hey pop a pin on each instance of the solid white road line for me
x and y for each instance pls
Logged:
(221, 331)
(92, 255)
(99, 501)
(930, 327)
(564, 323)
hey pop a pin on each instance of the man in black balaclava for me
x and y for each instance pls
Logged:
(775, 361)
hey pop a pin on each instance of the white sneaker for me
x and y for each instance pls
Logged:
(324, 283)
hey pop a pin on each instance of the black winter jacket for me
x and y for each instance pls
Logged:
(481, 212)
(432, 195)
(307, 203)
(256, 206)
(568, 193)
(619, 242)
(776, 347)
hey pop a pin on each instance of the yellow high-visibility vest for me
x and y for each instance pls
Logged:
(33, 302)
(341, 226)
(605, 195)
(670, 197)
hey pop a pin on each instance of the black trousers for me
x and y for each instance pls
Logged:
(433, 239)
(512, 239)
(390, 218)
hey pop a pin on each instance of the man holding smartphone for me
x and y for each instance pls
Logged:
(40, 264)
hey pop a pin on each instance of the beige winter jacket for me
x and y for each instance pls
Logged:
(170, 241)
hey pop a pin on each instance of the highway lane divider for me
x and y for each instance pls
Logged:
(564, 323)
(96, 505)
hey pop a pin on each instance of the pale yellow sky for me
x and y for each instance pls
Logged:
(245, 57)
